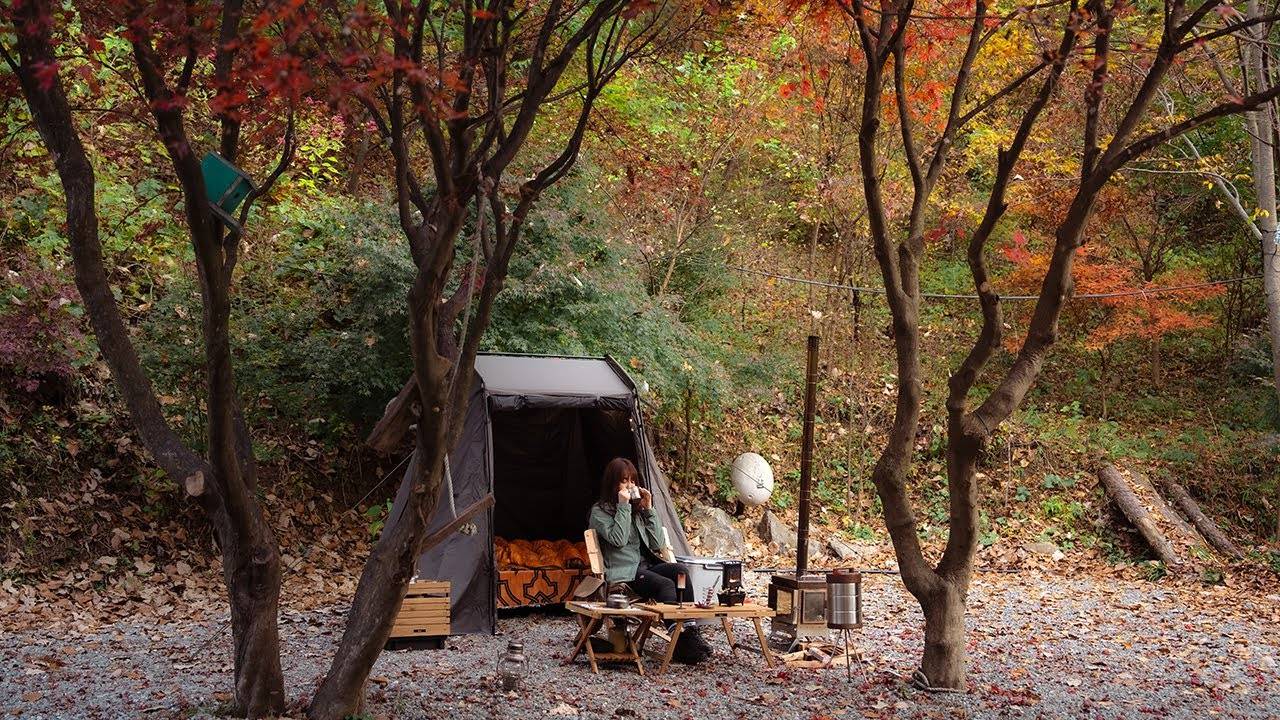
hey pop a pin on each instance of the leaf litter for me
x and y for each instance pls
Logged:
(1040, 645)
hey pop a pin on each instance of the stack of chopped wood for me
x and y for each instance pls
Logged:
(821, 654)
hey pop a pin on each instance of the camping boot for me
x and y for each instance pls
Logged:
(691, 648)
(701, 648)
(685, 652)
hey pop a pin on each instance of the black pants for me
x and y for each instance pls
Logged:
(659, 582)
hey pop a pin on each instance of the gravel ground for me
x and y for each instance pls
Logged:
(1041, 646)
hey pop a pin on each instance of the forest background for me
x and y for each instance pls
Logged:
(710, 169)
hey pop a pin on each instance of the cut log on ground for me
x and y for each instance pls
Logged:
(1147, 489)
(1135, 510)
(819, 654)
(1207, 527)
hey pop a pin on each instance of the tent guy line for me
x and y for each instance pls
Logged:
(949, 296)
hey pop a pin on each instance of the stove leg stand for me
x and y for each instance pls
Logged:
(852, 654)
(848, 659)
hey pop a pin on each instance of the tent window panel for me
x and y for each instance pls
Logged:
(547, 464)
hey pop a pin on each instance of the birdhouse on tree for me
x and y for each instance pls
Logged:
(225, 186)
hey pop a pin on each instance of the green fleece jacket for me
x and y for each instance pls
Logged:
(623, 532)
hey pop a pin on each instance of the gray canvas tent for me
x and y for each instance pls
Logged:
(537, 434)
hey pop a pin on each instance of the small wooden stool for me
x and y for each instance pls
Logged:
(591, 615)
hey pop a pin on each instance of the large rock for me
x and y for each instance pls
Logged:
(782, 540)
(716, 533)
(1047, 549)
(1042, 548)
(779, 536)
(843, 551)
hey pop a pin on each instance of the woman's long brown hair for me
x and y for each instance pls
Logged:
(615, 472)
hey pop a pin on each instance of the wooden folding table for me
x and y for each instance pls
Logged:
(679, 615)
(591, 615)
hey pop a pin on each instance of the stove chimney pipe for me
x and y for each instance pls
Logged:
(806, 457)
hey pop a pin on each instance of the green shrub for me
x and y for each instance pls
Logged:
(319, 329)
(571, 291)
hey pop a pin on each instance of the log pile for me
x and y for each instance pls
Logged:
(821, 655)
(1208, 528)
(1173, 539)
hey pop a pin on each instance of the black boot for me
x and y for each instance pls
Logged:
(691, 648)
(701, 648)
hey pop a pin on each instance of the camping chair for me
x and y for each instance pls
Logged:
(594, 586)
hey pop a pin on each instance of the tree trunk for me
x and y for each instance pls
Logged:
(390, 566)
(1124, 497)
(944, 661)
(1262, 154)
(250, 557)
(675, 254)
(360, 156)
(377, 601)
(943, 599)
(1160, 506)
(688, 433)
(1104, 381)
(1157, 368)
(813, 257)
(252, 576)
(396, 419)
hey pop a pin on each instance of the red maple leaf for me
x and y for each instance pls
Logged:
(637, 7)
(1017, 253)
(46, 73)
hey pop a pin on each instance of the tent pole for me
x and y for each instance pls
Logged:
(443, 533)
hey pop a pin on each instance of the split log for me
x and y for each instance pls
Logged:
(1118, 488)
(1207, 527)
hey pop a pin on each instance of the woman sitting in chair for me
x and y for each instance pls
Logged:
(630, 540)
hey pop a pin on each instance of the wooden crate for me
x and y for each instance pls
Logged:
(425, 611)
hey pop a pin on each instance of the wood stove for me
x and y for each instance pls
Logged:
(800, 599)
(801, 604)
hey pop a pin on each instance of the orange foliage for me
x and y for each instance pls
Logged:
(1133, 316)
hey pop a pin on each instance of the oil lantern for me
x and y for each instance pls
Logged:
(512, 667)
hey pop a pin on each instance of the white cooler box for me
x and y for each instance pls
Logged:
(704, 573)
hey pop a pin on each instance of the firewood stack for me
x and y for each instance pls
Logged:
(822, 655)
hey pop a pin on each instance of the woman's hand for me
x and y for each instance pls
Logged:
(624, 495)
(646, 499)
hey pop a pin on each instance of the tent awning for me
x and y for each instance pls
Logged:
(556, 381)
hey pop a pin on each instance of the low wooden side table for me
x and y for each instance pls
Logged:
(591, 615)
(677, 614)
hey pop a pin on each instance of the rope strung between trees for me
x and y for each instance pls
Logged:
(950, 296)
